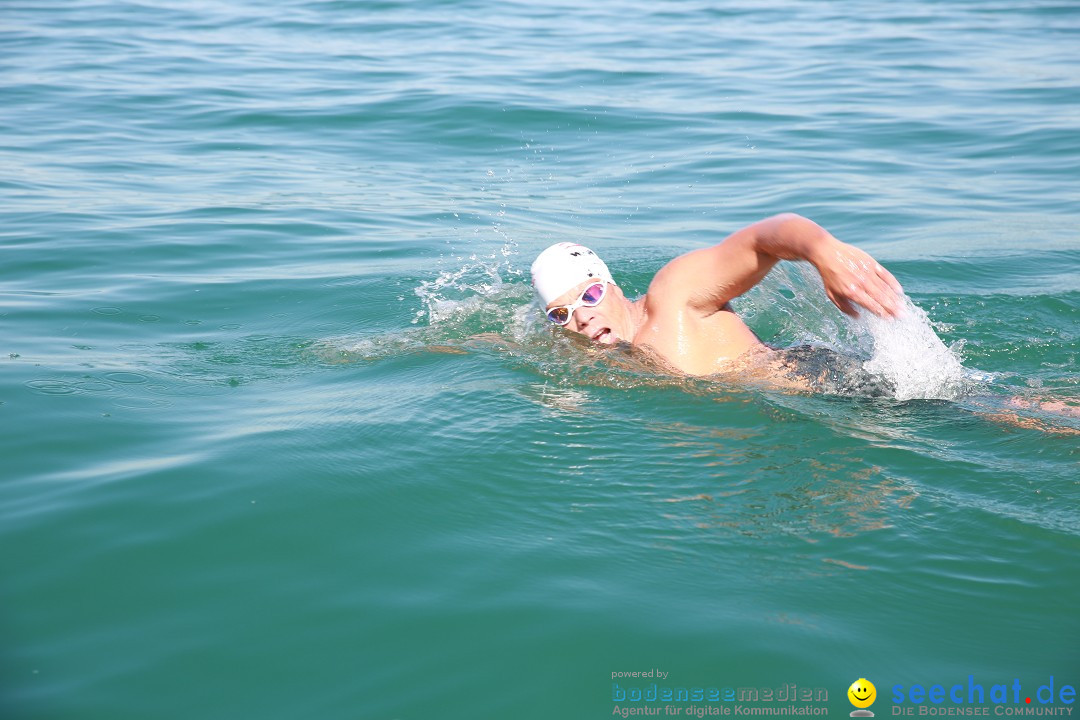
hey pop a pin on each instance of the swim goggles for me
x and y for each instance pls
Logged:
(593, 296)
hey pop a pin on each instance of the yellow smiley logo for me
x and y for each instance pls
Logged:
(862, 693)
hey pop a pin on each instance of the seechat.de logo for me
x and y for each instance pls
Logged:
(862, 695)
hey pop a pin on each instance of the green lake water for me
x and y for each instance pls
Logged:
(285, 437)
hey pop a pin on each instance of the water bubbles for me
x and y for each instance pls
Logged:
(908, 352)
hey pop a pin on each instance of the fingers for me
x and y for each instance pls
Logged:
(869, 292)
(878, 291)
(871, 302)
(844, 306)
(889, 279)
(886, 296)
(853, 276)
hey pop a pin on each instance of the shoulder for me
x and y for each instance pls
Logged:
(668, 318)
(675, 287)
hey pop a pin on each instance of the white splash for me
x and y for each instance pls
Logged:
(908, 352)
(458, 292)
(469, 288)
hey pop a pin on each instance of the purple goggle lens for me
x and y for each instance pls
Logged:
(592, 297)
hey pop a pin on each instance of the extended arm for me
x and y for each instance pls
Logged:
(707, 279)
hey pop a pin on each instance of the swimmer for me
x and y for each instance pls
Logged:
(685, 317)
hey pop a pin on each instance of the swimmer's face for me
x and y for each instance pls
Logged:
(600, 323)
(862, 693)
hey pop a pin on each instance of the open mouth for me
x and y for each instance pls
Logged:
(603, 336)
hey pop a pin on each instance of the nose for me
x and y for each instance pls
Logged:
(583, 316)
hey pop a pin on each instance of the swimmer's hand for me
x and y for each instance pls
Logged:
(852, 276)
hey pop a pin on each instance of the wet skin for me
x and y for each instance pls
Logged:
(685, 317)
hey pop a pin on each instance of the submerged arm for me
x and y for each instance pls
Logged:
(708, 278)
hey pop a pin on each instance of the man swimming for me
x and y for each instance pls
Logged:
(685, 317)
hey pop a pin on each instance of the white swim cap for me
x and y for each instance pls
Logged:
(564, 266)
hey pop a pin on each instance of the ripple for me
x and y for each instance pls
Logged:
(126, 378)
(51, 387)
(93, 386)
(375, 238)
(137, 403)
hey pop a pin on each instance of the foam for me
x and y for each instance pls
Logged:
(907, 352)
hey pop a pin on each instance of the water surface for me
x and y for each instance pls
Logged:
(284, 436)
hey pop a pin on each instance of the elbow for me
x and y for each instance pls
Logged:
(792, 221)
(790, 236)
(778, 231)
